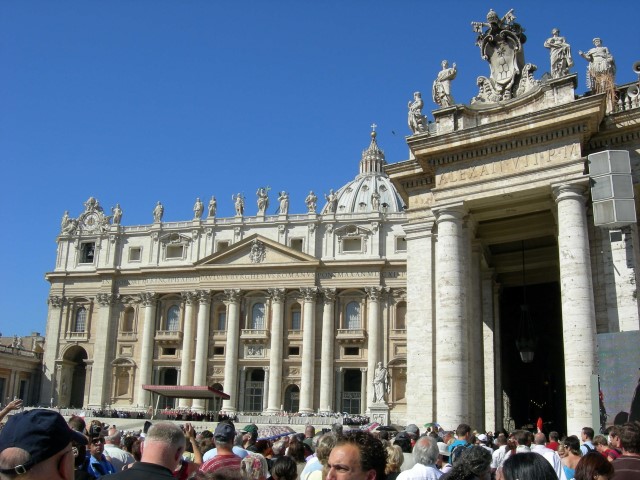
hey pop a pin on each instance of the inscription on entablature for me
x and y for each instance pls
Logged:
(492, 167)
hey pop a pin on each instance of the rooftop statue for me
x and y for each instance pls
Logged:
(442, 85)
(238, 202)
(311, 201)
(601, 71)
(263, 199)
(283, 198)
(560, 52)
(198, 208)
(158, 212)
(501, 43)
(117, 214)
(332, 201)
(417, 121)
(213, 206)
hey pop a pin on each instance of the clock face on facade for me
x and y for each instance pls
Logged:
(91, 221)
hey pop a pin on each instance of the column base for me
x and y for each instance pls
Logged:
(306, 410)
(379, 412)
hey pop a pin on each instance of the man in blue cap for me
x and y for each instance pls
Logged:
(37, 445)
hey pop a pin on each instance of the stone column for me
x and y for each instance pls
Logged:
(578, 311)
(101, 361)
(364, 390)
(242, 389)
(232, 301)
(476, 338)
(54, 324)
(265, 388)
(339, 388)
(276, 353)
(451, 310)
(326, 358)
(148, 300)
(497, 348)
(202, 345)
(186, 377)
(420, 391)
(308, 349)
(489, 333)
(373, 345)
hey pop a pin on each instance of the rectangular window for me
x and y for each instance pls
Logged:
(218, 350)
(295, 320)
(401, 244)
(294, 351)
(135, 254)
(222, 321)
(169, 352)
(175, 251)
(222, 246)
(297, 244)
(87, 252)
(254, 396)
(351, 350)
(351, 244)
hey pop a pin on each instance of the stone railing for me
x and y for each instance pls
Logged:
(627, 97)
(21, 352)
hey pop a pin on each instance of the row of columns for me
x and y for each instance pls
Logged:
(457, 329)
(232, 297)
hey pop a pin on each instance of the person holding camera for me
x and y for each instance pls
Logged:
(98, 465)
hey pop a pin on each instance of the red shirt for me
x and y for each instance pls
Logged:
(553, 446)
(221, 461)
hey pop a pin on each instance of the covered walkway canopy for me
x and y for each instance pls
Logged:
(183, 391)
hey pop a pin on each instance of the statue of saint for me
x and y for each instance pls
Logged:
(198, 208)
(213, 207)
(380, 383)
(283, 198)
(560, 52)
(65, 220)
(263, 199)
(442, 85)
(117, 214)
(332, 201)
(238, 202)
(417, 121)
(311, 201)
(158, 212)
(602, 67)
(375, 201)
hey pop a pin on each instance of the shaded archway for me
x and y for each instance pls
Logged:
(167, 376)
(352, 391)
(73, 375)
(292, 399)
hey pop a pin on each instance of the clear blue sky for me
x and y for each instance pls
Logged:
(143, 100)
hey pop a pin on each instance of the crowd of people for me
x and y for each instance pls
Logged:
(40, 444)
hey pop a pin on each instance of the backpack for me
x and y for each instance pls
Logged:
(589, 449)
(457, 452)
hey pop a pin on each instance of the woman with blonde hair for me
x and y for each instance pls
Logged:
(394, 461)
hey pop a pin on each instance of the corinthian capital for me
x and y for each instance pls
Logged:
(373, 293)
(188, 297)
(232, 295)
(276, 294)
(148, 298)
(329, 294)
(204, 296)
(56, 301)
(106, 299)
(309, 293)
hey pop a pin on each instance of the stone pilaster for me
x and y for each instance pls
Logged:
(202, 344)
(186, 377)
(373, 346)
(265, 388)
(451, 310)
(578, 311)
(339, 388)
(364, 390)
(476, 338)
(54, 330)
(308, 349)
(101, 348)
(232, 301)
(276, 353)
(149, 301)
(489, 333)
(326, 362)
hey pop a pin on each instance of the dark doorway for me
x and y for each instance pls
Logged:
(292, 399)
(168, 376)
(535, 390)
(75, 356)
(352, 391)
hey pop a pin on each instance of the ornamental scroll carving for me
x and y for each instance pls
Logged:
(258, 251)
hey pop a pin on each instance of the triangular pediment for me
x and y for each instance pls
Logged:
(257, 251)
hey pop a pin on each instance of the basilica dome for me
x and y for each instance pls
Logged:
(370, 191)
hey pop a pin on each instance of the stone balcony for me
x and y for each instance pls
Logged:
(127, 336)
(77, 336)
(351, 335)
(248, 335)
(168, 336)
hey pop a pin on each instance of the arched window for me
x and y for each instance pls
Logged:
(353, 316)
(401, 314)
(80, 324)
(257, 317)
(173, 319)
(295, 317)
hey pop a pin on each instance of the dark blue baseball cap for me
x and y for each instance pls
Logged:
(42, 433)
